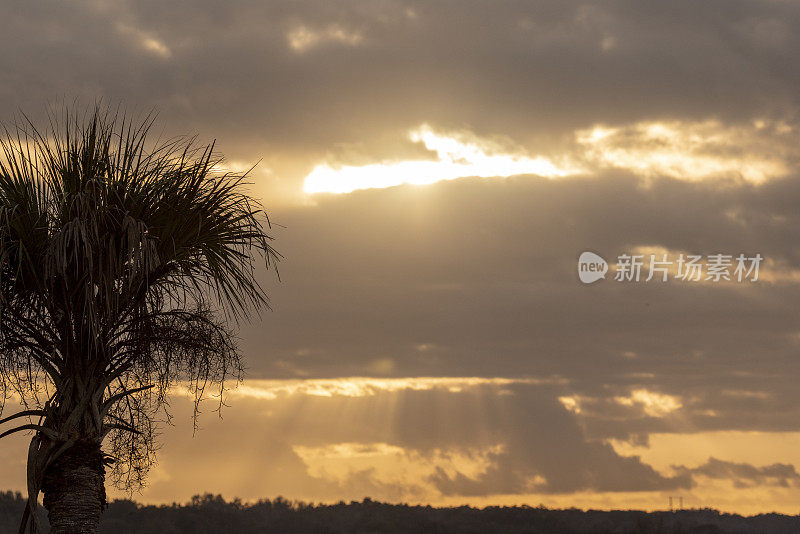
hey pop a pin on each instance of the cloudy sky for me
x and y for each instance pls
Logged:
(435, 169)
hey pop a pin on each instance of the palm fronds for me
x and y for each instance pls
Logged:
(120, 262)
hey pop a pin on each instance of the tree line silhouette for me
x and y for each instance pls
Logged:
(206, 514)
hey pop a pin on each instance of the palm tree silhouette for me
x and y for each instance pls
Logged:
(124, 265)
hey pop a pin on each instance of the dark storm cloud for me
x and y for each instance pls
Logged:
(478, 278)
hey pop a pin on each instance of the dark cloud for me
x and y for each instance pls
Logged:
(477, 278)
(547, 451)
(746, 475)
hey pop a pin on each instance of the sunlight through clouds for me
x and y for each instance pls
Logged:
(755, 152)
(769, 271)
(367, 387)
(652, 403)
(691, 150)
(457, 157)
(145, 41)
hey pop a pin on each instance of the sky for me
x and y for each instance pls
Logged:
(433, 171)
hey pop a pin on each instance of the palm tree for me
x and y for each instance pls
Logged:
(124, 265)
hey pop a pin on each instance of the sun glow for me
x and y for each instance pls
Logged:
(457, 157)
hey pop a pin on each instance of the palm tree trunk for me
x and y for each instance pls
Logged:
(74, 490)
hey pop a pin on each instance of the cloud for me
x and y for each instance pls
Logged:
(745, 475)
(146, 41)
(359, 77)
(482, 274)
(401, 474)
(422, 445)
(684, 150)
(302, 38)
(367, 387)
(693, 151)
(654, 404)
(413, 444)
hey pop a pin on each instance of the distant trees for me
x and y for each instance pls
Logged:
(211, 514)
(122, 262)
